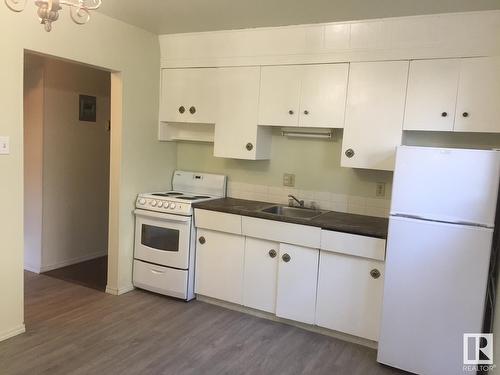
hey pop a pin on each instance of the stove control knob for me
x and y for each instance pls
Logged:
(160, 204)
(166, 204)
(142, 201)
(153, 203)
(172, 205)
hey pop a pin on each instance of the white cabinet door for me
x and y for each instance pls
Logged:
(187, 95)
(350, 294)
(478, 108)
(279, 95)
(323, 95)
(260, 275)
(219, 265)
(236, 132)
(297, 282)
(374, 116)
(432, 95)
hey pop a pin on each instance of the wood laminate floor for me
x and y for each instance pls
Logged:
(72, 329)
(92, 273)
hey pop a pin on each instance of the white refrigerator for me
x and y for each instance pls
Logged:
(438, 254)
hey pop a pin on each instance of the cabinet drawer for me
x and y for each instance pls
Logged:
(296, 234)
(160, 279)
(218, 221)
(352, 244)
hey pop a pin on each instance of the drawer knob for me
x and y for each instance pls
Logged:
(286, 258)
(465, 114)
(306, 112)
(349, 153)
(249, 146)
(202, 240)
(182, 109)
(272, 253)
(375, 273)
(291, 112)
(444, 114)
(192, 110)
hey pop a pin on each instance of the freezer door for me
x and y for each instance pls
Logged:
(434, 292)
(451, 185)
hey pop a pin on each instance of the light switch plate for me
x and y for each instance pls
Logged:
(4, 145)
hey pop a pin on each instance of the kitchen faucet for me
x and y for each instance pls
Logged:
(293, 198)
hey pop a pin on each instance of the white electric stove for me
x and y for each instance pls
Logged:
(164, 250)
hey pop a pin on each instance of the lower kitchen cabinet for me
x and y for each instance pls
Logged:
(297, 281)
(349, 295)
(260, 274)
(219, 265)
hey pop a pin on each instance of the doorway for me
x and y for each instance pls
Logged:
(66, 169)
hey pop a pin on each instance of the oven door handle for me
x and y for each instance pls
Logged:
(162, 216)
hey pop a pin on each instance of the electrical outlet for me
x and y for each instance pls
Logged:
(380, 190)
(4, 145)
(289, 180)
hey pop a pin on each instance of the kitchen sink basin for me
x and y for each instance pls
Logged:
(302, 213)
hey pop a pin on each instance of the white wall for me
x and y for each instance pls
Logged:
(33, 160)
(75, 165)
(139, 161)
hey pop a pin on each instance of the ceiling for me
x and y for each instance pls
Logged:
(178, 16)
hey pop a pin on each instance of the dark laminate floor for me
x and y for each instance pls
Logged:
(76, 330)
(92, 273)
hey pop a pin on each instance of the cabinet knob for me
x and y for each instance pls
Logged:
(465, 114)
(291, 112)
(306, 112)
(286, 258)
(182, 109)
(272, 253)
(249, 146)
(202, 240)
(349, 153)
(192, 110)
(375, 273)
(444, 114)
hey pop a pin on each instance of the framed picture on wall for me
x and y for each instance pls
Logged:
(88, 108)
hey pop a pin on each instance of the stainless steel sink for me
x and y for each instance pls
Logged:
(302, 213)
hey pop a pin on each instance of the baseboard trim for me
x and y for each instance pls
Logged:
(307, 327)
(119, 291)
(69, 262)
(31, 268)
(12, 332)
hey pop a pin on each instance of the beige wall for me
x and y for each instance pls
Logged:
(75, 165)
(33, 162)
(145, 164)
(315, 162)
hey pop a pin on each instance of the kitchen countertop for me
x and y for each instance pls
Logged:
(330, 220)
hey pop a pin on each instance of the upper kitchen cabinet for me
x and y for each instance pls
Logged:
(187, 95)
(478, 108)
(303, 95)
(432, 94)
(374, 116)
(237, 107)
(459, 95)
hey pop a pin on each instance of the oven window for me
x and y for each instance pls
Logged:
(160, 238)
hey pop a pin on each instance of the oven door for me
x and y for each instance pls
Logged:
(162, 238)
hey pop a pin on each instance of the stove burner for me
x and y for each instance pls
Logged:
(201, 196)
(168, 194)
(188, 198)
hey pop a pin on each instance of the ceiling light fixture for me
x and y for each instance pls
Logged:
(48, 10)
